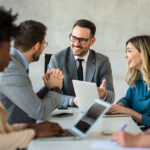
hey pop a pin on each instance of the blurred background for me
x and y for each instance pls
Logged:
(116, 22)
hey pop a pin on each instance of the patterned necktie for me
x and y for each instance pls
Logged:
(80, 69)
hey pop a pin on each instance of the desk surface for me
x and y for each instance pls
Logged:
(106, 125)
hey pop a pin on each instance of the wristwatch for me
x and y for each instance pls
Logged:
(56, 89)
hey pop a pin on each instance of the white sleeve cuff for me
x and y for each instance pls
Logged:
(71, 101)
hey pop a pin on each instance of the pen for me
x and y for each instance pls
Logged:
(122, 129)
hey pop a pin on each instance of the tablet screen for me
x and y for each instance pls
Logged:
(90, 117)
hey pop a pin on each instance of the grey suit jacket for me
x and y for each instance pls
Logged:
(98, 68)
(18, 97)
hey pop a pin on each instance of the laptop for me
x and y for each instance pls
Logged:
(116, 115)
(81, 128)
(85, 92)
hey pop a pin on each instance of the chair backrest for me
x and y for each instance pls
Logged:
(47, 58)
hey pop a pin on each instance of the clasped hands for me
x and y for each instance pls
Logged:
(53, 78)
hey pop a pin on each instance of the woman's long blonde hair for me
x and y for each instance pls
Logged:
(142, 44)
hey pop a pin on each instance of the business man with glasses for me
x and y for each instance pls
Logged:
(82, 63)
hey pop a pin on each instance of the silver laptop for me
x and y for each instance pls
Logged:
(85, 92)
(86, 122)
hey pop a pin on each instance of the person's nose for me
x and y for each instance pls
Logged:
(126, 56)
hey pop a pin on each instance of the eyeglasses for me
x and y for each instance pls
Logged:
(82, 41)
(45, 44)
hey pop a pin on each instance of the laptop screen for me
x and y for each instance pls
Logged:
(90, 117)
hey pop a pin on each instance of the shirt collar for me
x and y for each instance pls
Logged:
(85, 57)
(25, 62)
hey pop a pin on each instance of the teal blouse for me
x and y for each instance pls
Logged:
(138, 99)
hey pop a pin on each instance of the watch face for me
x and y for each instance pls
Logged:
(57, 89)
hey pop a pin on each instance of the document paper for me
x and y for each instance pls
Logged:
(111, 145)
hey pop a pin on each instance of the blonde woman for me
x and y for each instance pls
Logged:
(137, 100)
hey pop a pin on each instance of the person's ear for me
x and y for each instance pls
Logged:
(92, 41)
(36, 46)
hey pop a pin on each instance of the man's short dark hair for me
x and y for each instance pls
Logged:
(30, 32)
(8, 29)
(86, 24)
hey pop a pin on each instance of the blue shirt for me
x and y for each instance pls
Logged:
(138, 99)
(25, 62)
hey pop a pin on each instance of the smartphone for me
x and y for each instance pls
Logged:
(107, 132)
(61, 115)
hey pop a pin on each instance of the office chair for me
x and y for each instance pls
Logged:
(47, 58)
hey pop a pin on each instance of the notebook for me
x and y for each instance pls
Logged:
(85, 92)
(81, 128)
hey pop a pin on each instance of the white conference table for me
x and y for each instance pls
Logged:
(109, 125)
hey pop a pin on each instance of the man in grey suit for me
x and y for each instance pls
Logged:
(16, 93)
(82, 63)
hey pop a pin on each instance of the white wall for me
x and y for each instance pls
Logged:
(116, 21)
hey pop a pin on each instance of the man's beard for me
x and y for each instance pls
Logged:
(36, 56)
(83, 51)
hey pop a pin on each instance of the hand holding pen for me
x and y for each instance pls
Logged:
(122, 129)
(125, 139)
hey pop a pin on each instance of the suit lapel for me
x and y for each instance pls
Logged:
(90, 67)
(72, 69)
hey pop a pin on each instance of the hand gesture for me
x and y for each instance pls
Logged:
(125, 139)
(53, 78)
(56, 73)
(117, 109)
(75, 101)
(46, 129)
(102, 89)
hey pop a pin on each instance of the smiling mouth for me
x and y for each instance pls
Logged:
(129, 61)
(79, 47)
